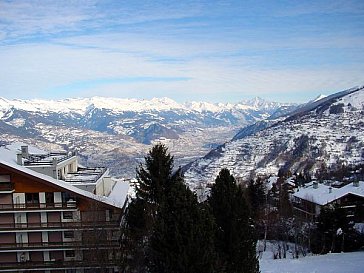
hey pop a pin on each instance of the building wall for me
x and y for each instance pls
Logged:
(26, 226)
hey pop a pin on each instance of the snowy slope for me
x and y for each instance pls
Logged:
(328, 131)
(329, 263)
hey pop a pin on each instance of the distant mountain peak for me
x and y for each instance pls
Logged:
(82, 105)
(319, 97)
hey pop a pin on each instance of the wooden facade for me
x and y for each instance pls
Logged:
(351, 204)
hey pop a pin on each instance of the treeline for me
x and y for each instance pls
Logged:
(166, 229)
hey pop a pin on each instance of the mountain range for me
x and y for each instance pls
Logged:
(118, 132)
(327, 131)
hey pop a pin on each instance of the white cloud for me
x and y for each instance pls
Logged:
(87, 41)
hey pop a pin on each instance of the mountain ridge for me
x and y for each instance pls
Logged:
(118, 132)
(80, 105)
(328, 131)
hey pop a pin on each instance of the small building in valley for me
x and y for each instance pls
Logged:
(308, 201)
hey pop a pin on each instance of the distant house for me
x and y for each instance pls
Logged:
(308, 201)
(51, 225)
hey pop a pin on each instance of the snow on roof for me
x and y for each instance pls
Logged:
(64, 185)
(322, 195)
(119, 192)
(8, 152)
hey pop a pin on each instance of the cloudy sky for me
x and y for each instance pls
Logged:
(217, 51)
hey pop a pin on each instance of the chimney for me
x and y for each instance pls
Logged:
(54, 161)
(356, 183)
(315, 184)
(19, 159)
(330, 189)
(25, 151)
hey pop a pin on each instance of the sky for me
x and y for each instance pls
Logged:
(216, 51)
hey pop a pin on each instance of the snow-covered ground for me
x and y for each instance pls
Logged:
(330, 263)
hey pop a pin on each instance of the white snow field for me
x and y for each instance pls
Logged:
(330, 263)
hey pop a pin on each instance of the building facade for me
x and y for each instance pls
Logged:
(64, 166)
(308, 201)
(48, 225)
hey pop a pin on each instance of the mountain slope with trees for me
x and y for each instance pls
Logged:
(328, 132)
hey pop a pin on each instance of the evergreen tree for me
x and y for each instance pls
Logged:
(285, 206)
(334, 233)
(134, 238)
(165, 229)
(153, 179)
(183, 237)
(235, 239)
(256, 197)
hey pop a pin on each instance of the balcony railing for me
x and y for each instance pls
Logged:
(56, 265)
(85, 244)
(60, 225)
(37, 206)
(47, 159)
(6, 186)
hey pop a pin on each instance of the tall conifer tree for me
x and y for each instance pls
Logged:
(235, 239)
(183, 237)
(153, 179)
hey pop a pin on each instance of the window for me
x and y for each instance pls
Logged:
(5, 183)
(32, 198)
(70, 253)
(65, 197)
(49, 198)
(69, 234)
(4, 178)
(67, 215)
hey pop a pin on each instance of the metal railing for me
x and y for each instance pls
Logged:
(36, 160)
(37, 206)
(83, 244)
(58, 264)
(60, 225)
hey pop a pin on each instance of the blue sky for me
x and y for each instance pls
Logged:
(217, 51)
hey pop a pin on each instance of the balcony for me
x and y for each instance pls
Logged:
(47, 159)
(29, 265)
(13, 227)
(38, 206)
(84, 244)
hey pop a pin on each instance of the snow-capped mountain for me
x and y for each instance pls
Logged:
(327, 131)
(111, 130)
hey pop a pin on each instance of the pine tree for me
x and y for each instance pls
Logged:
(235, 239)
(183, 237)
(256, 197)
(134, 238)
(153, 179)
(165, 228)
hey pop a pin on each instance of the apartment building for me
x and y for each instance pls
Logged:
(63, 166)
(49, 225)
